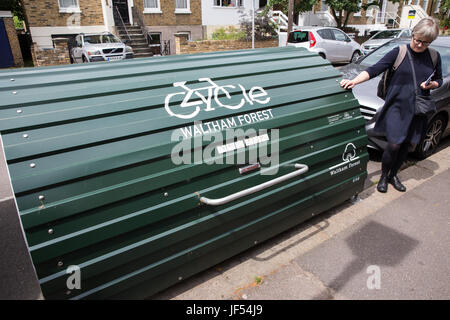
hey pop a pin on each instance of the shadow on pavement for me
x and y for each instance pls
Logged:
(372, 245)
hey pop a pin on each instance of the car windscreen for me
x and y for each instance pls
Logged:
(376, 55)
(388, 34)
(445, 59)
(101, 38)
(298, 37)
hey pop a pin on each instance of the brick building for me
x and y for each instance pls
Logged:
(11, 55)
(162, 19)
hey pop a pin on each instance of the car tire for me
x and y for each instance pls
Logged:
(355, 56)
(85, 60)
(322, 55)
(431, 138)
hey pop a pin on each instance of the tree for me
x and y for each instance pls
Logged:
(283, 5)
(342, 9)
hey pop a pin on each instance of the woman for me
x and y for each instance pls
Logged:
(397, 121)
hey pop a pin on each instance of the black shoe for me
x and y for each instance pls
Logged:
(383, 184)
(395, 181)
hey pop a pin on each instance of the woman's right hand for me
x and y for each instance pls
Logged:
(347, 84)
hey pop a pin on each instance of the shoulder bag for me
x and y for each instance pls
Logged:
(423, 104)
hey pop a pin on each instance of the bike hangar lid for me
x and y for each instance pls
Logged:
(97, 152)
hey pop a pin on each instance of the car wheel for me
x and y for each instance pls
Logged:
(84, 59)
(355, 56)
(433, 135)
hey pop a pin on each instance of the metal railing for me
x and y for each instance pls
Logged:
(123, 24)
(141, 23)
(281, 20)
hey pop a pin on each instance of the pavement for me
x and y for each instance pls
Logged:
(381, 246)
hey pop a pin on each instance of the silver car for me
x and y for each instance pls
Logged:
(98, 47)
(330, 43)
(381, 37)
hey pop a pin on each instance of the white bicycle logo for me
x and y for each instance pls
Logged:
(213, 90)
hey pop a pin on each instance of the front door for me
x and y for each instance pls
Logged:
(122, 7)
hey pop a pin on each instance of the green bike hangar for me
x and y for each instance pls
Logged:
(139, 174)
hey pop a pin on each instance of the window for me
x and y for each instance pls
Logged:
(184, 34)
(325, 34)
(358, 14)
(228, 3)
(155, 42)
(182, 6)
(339, 36)
(69, 6)
(152, 6)
(438, 5)
(298, 37)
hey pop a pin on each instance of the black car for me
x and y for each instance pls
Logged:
(366, 93)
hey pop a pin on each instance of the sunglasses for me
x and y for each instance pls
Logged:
(424, 43)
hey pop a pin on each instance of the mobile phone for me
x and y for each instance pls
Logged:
(427, 82)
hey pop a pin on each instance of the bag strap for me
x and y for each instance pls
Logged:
(413, 72)
(400, 56)
(434, 56)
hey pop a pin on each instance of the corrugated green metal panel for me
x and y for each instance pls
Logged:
(89, 154)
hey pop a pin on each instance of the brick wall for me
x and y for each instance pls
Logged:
(13, 41)
(185, 47)
(45, 13)
(168, 16)
(49, 57)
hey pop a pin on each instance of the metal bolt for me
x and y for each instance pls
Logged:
(312, 147)
(14, 92)
(68, 292)
(180, 278)
(50, 231)
(11, 79)
(19, 111)
(41, 197)
(166, 194)
(60, 263)
(32, 165)
(25, 135)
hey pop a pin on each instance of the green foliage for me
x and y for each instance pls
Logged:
(283, 5)
(15, 6)
(264, 28)
(229, 33)
(18, 24)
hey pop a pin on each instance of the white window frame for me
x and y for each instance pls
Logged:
(182, 33)
(186, 10)
(227, 7)
(69, 9)
(358, 14)
(437, 6)
(153, 10)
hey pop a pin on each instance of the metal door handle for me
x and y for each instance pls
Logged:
(302, 168)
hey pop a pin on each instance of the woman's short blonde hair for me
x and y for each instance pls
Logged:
(427, 28)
